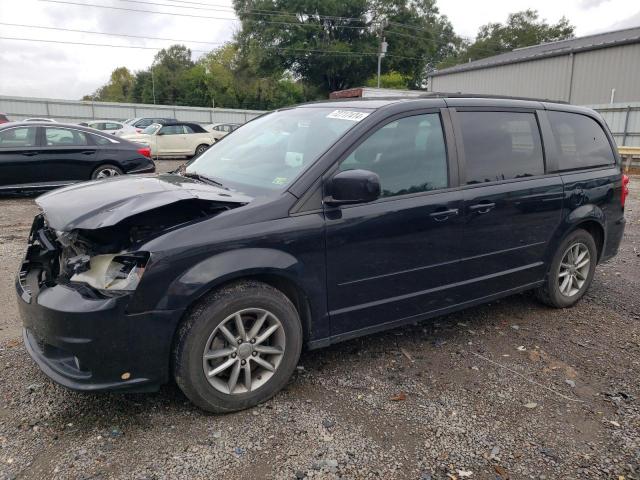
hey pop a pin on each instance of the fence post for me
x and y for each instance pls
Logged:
(626, 125)
(46, 106)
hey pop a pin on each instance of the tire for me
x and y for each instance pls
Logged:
(555, 292)
(200, 149)
(201, 333)
(106, 171)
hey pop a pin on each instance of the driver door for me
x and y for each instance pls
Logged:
(171, 140)
(394, 259)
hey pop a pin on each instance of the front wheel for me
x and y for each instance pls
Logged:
(238, 347)
(571, 271)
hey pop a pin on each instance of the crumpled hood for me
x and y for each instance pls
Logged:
(104, 203)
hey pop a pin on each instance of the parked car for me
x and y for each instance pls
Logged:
(112, 127)
(38, 156)
(174, 140)
(40, 120)
(4, 119)
(140, 123)
(221, 129)
(318, 224)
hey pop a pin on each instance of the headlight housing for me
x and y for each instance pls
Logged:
(114, 272)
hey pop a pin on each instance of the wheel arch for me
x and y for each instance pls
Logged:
(587, 217)
(276, 268)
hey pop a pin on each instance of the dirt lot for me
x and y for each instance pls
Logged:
(507, 390)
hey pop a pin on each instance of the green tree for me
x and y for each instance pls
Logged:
(522, 29)
(119, 88)
(389, 80)
(333, 44)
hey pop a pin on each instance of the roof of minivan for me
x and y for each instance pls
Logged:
(452, 99)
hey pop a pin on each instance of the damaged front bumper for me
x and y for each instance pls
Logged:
(87, 341)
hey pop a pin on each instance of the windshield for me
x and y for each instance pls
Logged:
(267, 153)
(151, 129)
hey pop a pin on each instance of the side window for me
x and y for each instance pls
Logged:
(500, 146)
(98, 140)
(112, 126)
(580, 141)
(408, 155)
(61, 137)
(144, 123)
(172, 130)
(18, 137)
(188, 129)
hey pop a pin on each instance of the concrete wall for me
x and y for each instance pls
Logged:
(71, 111)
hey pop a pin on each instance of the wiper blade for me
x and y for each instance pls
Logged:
(204, 179)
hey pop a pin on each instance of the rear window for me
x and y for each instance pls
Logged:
(580, 141)
(501, 146)
(61, 137)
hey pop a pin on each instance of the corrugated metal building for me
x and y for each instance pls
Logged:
(596, 69)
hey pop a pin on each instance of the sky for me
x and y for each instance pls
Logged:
(50, 70)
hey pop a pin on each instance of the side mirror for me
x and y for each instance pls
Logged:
(160, 133)
(353, 186)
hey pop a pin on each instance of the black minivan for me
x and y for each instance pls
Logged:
(311, 225)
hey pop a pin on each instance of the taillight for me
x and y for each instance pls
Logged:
(625, 188)
(146, 151)
(138, 130)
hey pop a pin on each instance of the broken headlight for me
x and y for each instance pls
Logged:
(114, 271)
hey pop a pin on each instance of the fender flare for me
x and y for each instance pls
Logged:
(584, 213)
(224, 267)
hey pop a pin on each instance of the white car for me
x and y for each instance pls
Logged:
(221, 129)
(179, 139)
(112, 127)
(50, 120)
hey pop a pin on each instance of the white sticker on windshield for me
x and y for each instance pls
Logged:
(347, 115)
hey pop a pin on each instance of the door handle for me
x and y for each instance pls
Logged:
(88, 152)
(442, 215)
(482, 207)
(29, 154)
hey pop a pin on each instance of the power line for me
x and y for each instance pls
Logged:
(275, 13)
(65, 2)
(66, 42)
(303, 50)
(109, 34)
(138, 10)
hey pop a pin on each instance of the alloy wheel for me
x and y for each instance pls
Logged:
(574, 269)
(244, 351)
(107, 173)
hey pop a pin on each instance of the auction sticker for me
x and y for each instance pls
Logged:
(347, 115)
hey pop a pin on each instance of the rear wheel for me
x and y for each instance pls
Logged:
(571, 271)
(106, 171)
(237, 348)
(200, 149)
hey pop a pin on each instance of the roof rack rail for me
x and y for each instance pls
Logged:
(483, 95)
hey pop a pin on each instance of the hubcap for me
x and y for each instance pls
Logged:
(574, 269)
(244, 351)
(107, 172)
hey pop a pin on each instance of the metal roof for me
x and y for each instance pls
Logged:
(551, 49)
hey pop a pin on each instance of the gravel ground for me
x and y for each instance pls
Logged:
(510, 389)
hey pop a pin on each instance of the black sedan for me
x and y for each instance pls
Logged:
(40, 156)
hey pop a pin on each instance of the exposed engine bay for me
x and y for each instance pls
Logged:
(106, 259)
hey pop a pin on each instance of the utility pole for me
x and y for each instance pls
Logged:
(382, 50)
(153, 86)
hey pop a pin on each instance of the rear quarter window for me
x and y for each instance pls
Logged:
(500, 146)
(580, 141)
